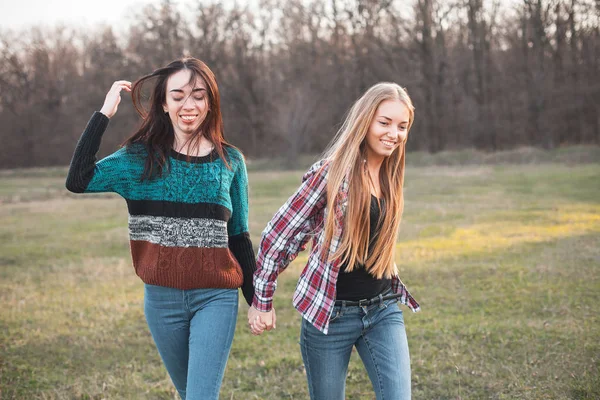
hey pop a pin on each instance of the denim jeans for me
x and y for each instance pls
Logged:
(193, 331)
(378, 333)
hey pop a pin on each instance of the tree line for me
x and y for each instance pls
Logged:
(489, 74)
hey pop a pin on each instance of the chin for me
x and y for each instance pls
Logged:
(188, 129)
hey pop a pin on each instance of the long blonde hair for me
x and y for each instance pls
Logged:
(346, 157)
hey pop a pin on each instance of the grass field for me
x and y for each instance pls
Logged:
(504, 259)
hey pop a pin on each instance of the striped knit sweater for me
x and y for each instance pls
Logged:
(188, 228)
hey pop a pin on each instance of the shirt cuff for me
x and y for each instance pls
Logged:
(264, 305)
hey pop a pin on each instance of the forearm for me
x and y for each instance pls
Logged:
(83, 163)
(241, 248)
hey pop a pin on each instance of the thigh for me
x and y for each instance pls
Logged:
(211, 334)
(168, 322)
(383, 349)
(326, 357)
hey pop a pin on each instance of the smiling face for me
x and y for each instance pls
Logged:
(388, 130)
(187, 103)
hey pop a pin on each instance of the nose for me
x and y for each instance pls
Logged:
(394, 132)
(397, 134)
(189, 104)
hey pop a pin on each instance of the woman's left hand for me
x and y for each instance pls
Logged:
(259, 321)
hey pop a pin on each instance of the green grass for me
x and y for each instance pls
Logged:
(504, 259)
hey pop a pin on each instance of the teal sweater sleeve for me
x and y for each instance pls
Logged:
(237, 226)
(87, 175)
(238, 223)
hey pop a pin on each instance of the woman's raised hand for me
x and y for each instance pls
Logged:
(113, 97)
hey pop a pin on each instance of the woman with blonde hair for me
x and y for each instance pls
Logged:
(350, 203)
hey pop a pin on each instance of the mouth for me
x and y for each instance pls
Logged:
(390, 144)
(188, 118)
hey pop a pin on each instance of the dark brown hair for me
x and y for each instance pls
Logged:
(156, 132)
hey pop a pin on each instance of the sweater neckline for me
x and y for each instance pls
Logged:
(212, 156)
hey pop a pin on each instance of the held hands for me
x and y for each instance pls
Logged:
(113, 97)
(259, 321)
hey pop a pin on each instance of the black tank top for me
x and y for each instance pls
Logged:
(359, 284)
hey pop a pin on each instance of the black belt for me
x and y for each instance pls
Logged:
(367, 302)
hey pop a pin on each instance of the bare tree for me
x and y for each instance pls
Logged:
(480, 74)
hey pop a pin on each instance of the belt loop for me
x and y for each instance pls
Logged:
(343, 304)
(381, 304)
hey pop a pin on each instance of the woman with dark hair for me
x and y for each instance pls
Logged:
(186, 189)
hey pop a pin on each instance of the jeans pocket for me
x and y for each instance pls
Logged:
(335, 315)
(162, 297)
(391, 302)
(393, 311)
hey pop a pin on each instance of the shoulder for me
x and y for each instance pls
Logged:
(317, 171)
(236, 161)
(124, 154)
(234, 156)
(133, 153)
(233, 152)
(135, 150)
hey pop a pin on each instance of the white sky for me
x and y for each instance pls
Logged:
(19, 14)
(22, 14)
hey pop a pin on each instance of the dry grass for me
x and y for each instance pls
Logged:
(505, 261)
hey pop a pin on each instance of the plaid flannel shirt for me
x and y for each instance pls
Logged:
(297, 221)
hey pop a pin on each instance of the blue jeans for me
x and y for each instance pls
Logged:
(378, 333)
(193, 330)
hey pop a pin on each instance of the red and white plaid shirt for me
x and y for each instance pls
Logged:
(297, 221)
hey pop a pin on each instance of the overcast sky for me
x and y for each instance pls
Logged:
(17, 14)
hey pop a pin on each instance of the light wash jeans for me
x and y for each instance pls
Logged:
(193, 331)
(378, 333)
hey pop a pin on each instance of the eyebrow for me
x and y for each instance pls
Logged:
(389, 119)
(181, 91)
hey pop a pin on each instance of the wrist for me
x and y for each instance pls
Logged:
(262, 306)
(262, 311)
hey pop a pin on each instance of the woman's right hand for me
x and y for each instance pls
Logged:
(113, 98)
(259, 321)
